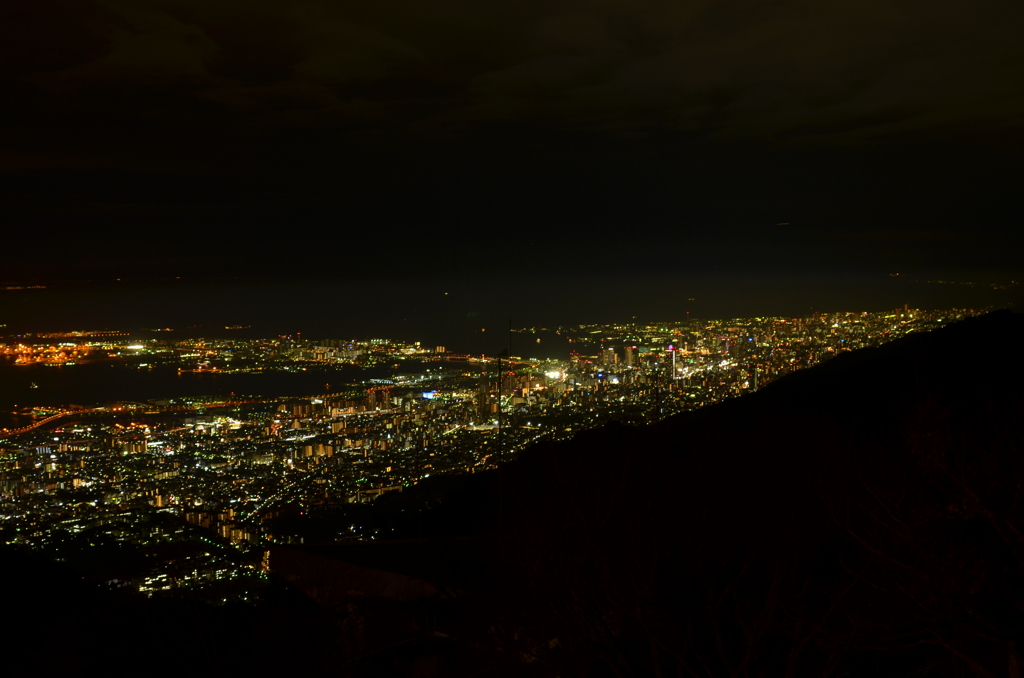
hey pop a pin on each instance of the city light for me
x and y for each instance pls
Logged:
(223, 468)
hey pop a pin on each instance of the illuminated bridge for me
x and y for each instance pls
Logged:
(67, 417)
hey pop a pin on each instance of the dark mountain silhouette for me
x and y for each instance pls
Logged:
(862, 517)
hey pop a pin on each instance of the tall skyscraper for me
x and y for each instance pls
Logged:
(483, 400)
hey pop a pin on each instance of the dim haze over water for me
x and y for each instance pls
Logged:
(471, 315)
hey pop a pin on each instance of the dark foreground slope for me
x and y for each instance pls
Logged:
(864, 516)
(56, 623)
(859, 518)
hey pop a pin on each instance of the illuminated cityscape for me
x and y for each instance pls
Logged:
(485, 340)
(181, 495)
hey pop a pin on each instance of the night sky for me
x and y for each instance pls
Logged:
(759, 147)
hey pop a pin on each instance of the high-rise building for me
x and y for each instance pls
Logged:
(484, 396)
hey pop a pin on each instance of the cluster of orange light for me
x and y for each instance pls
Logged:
(26, 355)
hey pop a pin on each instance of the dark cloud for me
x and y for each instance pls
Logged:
(746, 70)
(707, 122)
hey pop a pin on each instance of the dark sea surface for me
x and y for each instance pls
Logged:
(459, 313)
